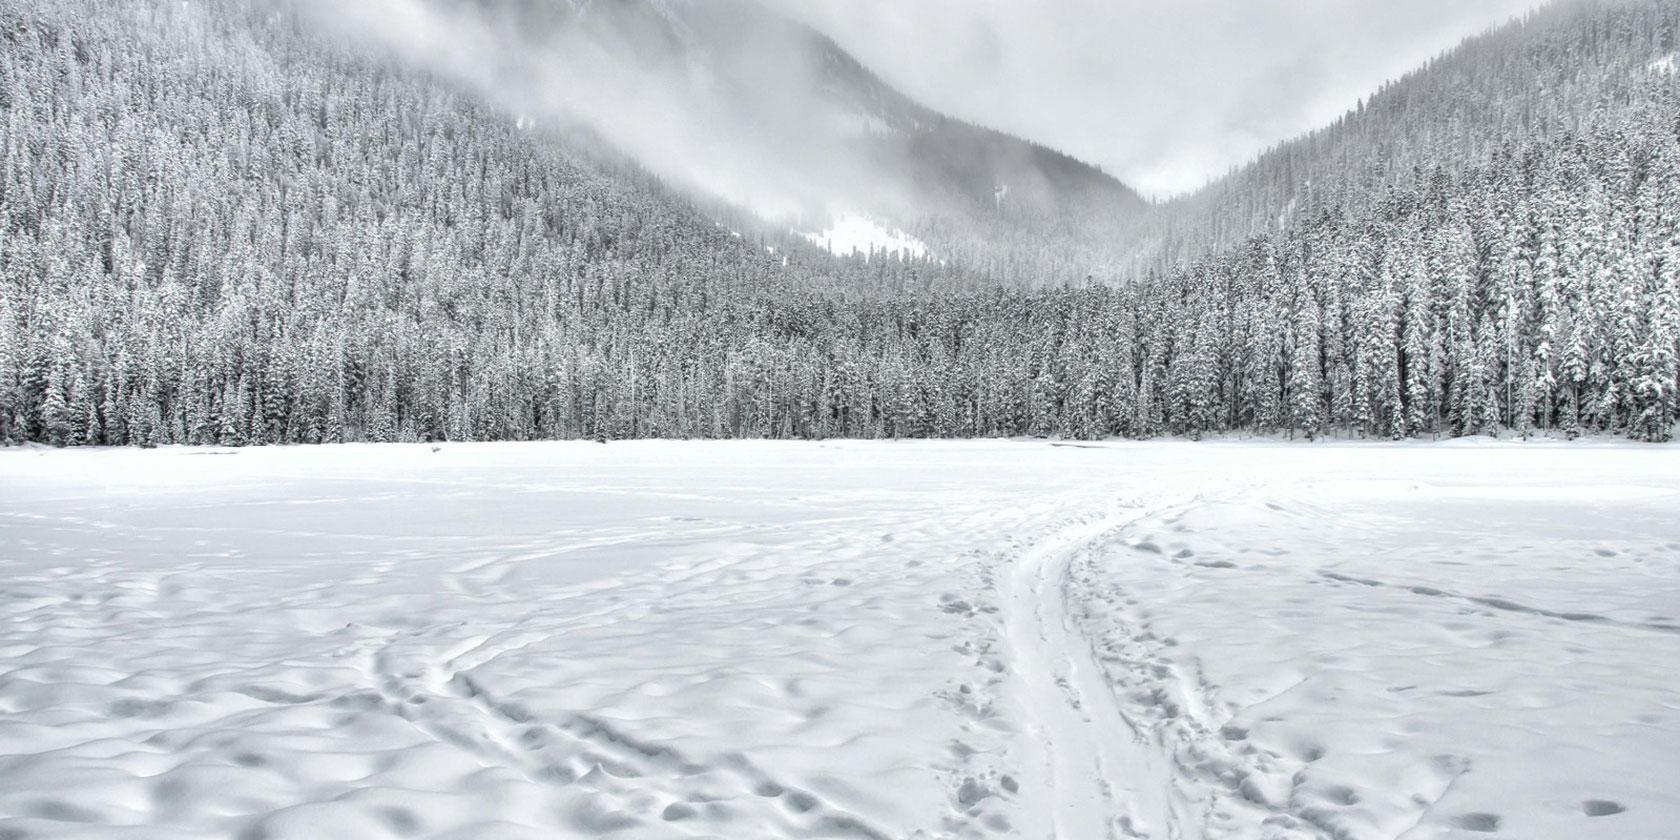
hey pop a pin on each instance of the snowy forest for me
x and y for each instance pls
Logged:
(219, 226)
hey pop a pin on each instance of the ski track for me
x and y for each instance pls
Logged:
(1095, 766)
(1122, 742)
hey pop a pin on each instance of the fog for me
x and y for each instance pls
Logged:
(1165, 94)
(729, 101)
(715, 97)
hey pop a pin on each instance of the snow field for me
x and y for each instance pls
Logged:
(884, 640)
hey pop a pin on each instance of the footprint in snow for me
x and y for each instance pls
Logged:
(1480, 822)
(1601, 808)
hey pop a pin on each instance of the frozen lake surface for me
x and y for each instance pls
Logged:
(854, 640)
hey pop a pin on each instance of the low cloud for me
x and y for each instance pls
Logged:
(1165, 94)
(697, 91)
(717, 97)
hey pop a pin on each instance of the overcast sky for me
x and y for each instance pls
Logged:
(1166, 94)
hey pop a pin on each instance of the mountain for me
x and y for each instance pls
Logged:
(738, 103)
(950, 166)
(221, 222)
(1552, 73)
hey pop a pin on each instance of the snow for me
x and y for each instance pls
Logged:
(843, 639)
(848, 234)
(861, 124)
(1666, 64)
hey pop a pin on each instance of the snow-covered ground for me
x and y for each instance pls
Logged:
(868, 640)
(853, 235)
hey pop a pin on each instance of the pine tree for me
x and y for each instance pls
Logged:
(1306, 402)
(56, 418)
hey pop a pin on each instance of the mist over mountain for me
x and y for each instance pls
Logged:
(735, 102)
(1167, 96)
(1555, 73)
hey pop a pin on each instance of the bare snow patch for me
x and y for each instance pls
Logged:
(852, 235)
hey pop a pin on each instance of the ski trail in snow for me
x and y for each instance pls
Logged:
(1104, 780)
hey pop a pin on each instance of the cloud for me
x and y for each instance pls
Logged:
(1166, 94)
(664, 82)
(719, 98)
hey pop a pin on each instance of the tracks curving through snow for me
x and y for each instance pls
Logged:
(1098, 774)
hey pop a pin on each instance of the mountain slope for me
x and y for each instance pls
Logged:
(950, 165)
(1548, 75)
(738, 103)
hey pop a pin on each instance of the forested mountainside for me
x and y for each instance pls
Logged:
(736, 101)
(1559, 69)
(219, 227)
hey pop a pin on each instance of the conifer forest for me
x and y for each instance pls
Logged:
(220, 226)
